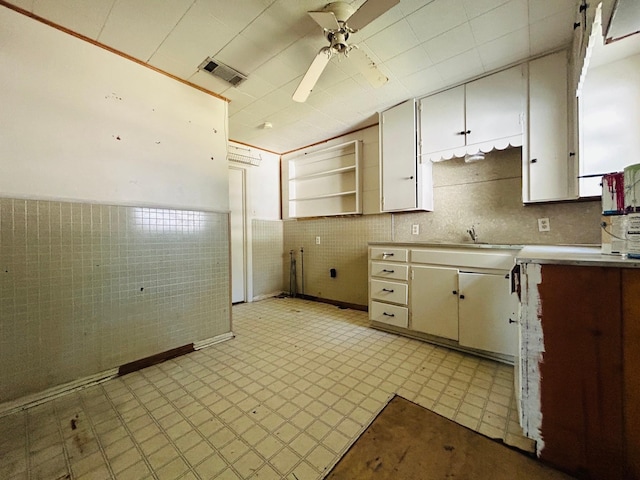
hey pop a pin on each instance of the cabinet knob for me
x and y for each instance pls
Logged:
(410, 178)
(534, 160)
(388, 314)
(512, 321)
(455, 292)
(461, 133)
(467, 132)
(583, 7)
(461, 297)
(576, 25)
(390, 290)
(572, 154)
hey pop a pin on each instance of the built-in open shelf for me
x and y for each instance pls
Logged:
(326, 182)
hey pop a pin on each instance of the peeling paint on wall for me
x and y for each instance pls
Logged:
(531, 350)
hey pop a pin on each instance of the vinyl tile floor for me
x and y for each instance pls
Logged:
(284, 399)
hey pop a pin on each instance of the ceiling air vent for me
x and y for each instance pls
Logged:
(220, 70)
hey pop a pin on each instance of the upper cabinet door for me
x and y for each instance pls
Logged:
(496, 106)
(442, 122)
(398, 157)
(548, 164)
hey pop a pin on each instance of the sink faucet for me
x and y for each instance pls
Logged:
(472, 233)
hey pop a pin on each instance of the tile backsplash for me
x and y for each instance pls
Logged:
(86, 287)
(267, 256)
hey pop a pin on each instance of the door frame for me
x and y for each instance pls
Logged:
(245, 242)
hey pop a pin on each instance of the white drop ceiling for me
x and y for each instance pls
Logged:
(421, 45)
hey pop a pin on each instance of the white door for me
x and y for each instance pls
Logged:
(237, 207)
(488, 313)
(434, 301)
(547, 164)
(398, 150)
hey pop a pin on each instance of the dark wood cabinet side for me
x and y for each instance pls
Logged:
(631, 342)
(581, 370)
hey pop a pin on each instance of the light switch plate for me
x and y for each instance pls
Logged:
(317, 240)
(415, 229)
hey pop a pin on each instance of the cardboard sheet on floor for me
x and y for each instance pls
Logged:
(407, 441)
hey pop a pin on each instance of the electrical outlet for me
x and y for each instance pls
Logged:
(543, 225)
(415, 229)
(317, 240)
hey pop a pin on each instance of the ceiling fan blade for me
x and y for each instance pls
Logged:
(313, 73)
(367, 67)
(368, 12)
(326, 20)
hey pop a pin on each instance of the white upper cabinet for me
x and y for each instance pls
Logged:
(548, 167)
(482, 115)
(442, 121)
(405, 180)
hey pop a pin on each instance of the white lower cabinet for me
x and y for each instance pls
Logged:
(434, 301)
(460, 295)
(487, 313)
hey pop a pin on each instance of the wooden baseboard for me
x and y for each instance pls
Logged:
(154, 359)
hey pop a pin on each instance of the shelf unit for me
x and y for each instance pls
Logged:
(326, 182)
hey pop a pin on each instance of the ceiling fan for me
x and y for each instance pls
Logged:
(333, 20)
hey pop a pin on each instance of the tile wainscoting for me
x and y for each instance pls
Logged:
(85, 288)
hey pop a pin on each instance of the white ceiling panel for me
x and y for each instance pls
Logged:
(475, 8)
(83, 16)
(541, 9)
(436, 18)
(461, 67)
(500, 21)
(450, 44)
(420, 45)
(409, 62)
(243, 54)
(393, 40)
(551, 32)
(505, 50)
(121, 28)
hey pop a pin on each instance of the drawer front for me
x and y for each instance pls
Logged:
(389, 254)
(389, 314)
(461, 258)
(389, 291)
(390, 270)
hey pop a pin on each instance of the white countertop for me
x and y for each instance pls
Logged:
(572, 255)
(542, 254)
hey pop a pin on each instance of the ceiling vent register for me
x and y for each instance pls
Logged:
(220, 70)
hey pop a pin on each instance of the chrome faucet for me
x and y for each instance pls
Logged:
(472, 233)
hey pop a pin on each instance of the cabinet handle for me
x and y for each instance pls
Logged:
(388, 271)
(410, 178)
(572, 154)
(388, 314)
(387, 290)
(534, 160)
(461, 133)
(455, 292)
(461, 297)
(583, 7)
(512, 321)
(387, 254)
(576, 25)
(467, 132)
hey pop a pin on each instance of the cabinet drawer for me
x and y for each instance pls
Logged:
(389, 291)
(465, 258)
(390, 270)
(389, 314)
(389, 254)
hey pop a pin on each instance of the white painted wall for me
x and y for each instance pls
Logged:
(80, 123)
(609, 119)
